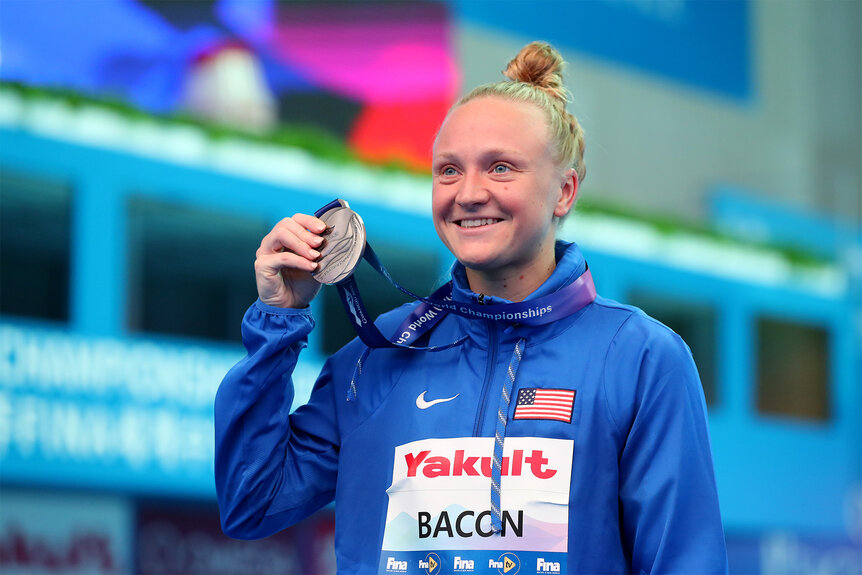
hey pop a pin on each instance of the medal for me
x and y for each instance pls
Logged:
(344, 245)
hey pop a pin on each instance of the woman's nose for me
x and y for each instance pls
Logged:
(473, 190)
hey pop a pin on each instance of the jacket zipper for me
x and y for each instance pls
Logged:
(489, 376)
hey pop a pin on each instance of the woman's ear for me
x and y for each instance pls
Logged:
(568, 193)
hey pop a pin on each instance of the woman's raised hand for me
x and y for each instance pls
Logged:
(285, 260)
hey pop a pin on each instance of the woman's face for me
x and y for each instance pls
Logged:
(497, 186)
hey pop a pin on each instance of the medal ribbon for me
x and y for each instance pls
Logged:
(539, 311)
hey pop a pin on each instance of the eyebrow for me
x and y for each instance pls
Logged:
(450, 156)
(446, 156)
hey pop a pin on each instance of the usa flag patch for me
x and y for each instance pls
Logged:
(537, 403)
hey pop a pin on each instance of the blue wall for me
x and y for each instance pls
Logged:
(703, 45)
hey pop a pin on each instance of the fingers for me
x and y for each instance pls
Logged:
(269, 265)
(298, 234)
(312, 223)
(285, 258)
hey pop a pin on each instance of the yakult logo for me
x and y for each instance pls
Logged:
(431, 466)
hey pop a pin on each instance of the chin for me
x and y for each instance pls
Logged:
(478, 254)
(479, 263)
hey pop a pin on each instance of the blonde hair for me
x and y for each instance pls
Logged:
(535, 76)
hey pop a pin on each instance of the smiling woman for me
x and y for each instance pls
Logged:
(561, 429)
(501, 187)
(497, 194)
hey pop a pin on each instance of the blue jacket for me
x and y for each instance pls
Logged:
(625, 485)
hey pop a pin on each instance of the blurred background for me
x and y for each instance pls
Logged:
(147, 146)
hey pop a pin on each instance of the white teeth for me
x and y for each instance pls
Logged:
(477, 223)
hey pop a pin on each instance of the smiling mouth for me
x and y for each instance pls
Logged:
(478, 222)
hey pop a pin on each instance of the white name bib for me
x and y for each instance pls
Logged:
(439, 517)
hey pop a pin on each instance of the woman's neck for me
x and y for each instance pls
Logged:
(512, 284)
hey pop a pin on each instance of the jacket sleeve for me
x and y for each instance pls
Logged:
(272, 468)
(669, 509)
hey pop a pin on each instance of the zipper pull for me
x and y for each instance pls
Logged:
(481, 299)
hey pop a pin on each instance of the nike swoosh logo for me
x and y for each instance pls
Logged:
(422, 404)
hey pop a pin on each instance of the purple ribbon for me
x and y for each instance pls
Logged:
(424, 317)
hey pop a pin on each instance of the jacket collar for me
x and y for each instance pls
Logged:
(570, 266)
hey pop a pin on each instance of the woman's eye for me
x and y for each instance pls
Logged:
(501, 169)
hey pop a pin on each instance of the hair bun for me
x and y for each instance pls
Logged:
(539, 64)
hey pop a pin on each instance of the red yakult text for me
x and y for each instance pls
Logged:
(460, 465)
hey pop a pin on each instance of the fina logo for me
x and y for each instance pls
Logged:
(543, 566)
(506, 564)
(431, 564)
(394, 566)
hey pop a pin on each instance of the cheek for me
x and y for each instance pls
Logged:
(436, 209)
(440, 202)
(438, 214)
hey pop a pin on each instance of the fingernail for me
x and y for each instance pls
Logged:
(315, 254)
